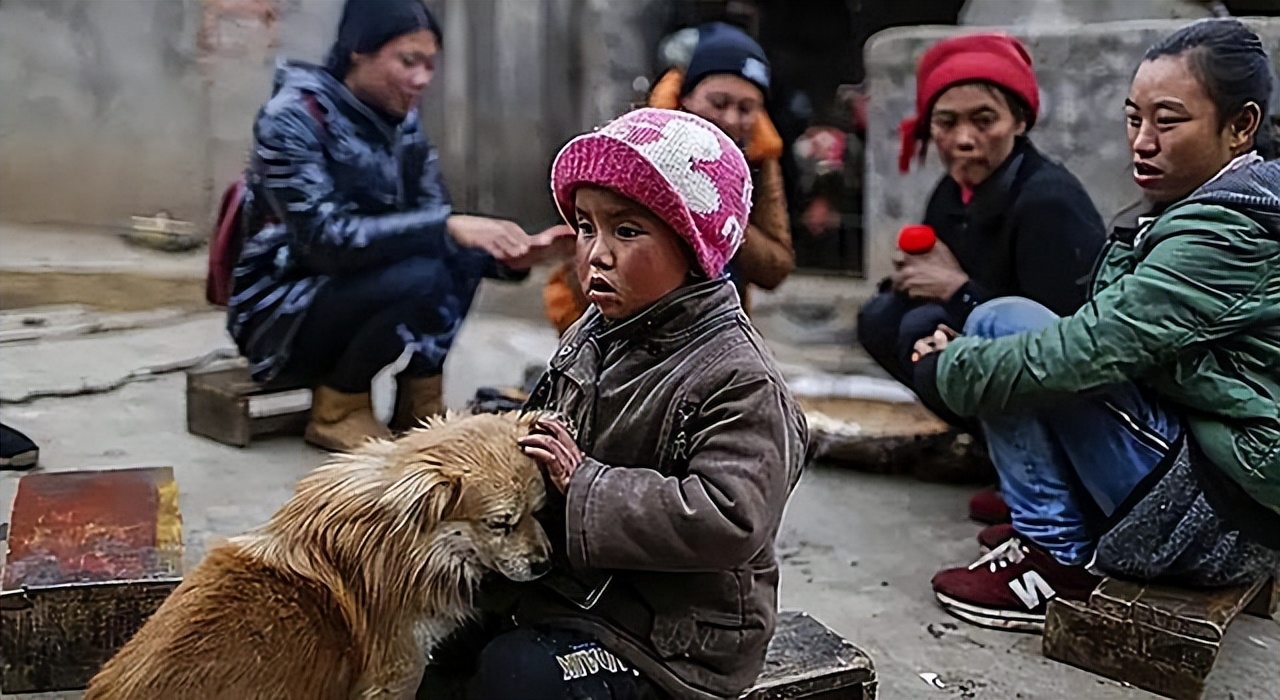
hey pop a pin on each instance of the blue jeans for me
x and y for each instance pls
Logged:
(1065, 469)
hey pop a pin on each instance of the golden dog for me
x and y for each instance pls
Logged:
(342, 594)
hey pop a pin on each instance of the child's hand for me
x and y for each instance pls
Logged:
(553, 448)
(934, 343)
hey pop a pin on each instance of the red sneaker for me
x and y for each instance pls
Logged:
(988, 507)
(1010, 587)
(993, 536)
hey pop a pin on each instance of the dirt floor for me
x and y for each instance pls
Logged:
(856, 550)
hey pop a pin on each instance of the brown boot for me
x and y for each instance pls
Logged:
(418, 398)
(341, 422)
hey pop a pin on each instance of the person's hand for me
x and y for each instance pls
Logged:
(935, 275)
(554, 243)
(553, 448)
(934, 343)
(502, 239)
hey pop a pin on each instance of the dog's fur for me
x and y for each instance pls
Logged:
(341, 595)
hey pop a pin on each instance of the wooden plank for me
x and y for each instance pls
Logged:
(1202, 614)
(1159, 638)
(226, 405)
(1077, 635)
(86, 526)
(214, 408)
(1267, 602)
(806, 659)
(91, 556)
(56, 637)
(892, 437)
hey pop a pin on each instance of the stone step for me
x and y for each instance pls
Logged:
(46, 265)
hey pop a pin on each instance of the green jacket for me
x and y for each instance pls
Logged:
(1188, 308)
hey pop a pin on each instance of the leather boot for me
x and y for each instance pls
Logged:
(341, 422)
(418, 398)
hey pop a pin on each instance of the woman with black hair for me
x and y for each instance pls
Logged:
(1140, 436)
(354, 255)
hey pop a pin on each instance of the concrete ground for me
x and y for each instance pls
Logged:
(98, 389)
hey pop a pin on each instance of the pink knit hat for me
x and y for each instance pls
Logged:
(680, 166)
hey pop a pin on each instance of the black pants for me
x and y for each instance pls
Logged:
(889, 326)
(538, 663)
(361, 322)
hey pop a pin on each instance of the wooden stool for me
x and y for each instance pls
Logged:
(1158, 638)
(893, 437)
(807, 659)
(225, 404)
(91, 555)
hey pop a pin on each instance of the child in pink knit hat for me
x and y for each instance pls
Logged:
(677, 445)
(675, 169)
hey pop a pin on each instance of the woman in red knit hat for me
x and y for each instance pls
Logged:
(1009, 221)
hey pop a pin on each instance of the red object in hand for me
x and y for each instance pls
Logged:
(916, 239)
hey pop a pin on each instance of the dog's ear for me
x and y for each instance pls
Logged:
(442, 497)
(426, 496)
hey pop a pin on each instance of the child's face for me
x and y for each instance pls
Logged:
(627, 258)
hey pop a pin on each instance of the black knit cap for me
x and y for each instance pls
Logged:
(367, 25)
(725, 49)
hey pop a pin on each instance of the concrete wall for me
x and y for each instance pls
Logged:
(101, 100)
(131, 107)
(1068, 12)
(1084, 73)
(518, 79)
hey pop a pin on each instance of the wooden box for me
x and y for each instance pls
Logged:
(1158, 638)
(809, 661)
(92, 554)
(225, 404)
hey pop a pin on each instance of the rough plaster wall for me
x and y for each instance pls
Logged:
(122, 107)
(239, 62)
(1084, 74)
(1067, 12)
(102, 110)
(518, 79)
(137, 106)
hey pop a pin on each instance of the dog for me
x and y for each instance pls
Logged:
(346, 589)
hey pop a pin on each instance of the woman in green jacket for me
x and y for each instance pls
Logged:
(1140, 436)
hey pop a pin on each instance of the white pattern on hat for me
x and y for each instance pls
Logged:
(732, 230)
(755, 70)
(676, 162)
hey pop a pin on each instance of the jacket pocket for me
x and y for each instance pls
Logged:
(696, 614)
(675, 637)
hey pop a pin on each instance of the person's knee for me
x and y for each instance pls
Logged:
(1008, 316)
(922, 321)
(417, 278)
(878, 321)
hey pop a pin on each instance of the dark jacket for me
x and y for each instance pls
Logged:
(1030, 230)
(1187, 306)
(333, 188)
(694, 443)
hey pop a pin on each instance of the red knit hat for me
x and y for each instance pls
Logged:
(990, 58)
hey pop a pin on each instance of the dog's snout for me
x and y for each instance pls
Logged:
(539, 567)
